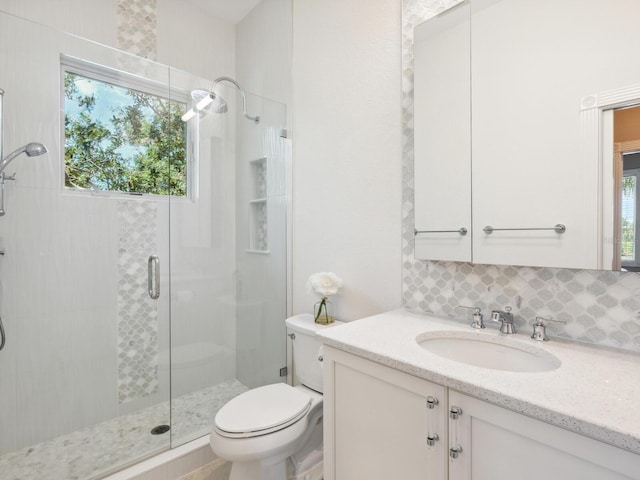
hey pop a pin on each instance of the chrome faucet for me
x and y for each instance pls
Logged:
(478, 321)
(506, 317)
(539, 328)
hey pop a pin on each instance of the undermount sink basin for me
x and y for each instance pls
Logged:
(487, 351)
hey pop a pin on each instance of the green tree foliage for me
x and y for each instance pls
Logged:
(141, 148)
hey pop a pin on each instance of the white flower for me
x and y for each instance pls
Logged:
(324, 283)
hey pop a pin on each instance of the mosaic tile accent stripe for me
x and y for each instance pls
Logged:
(602, 308)
(137, 312)
(137, 27)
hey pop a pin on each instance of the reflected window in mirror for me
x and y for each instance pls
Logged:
(627, 157)
(629, 224)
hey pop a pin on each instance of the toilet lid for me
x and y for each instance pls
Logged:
(262, 410)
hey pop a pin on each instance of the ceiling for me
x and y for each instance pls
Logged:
(230, 10)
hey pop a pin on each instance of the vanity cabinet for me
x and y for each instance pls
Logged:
(496, 443)
(378, 425)
(377, 422)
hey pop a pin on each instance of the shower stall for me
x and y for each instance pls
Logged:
(131, 313)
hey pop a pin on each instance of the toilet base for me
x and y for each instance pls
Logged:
(313, 472)
(258, 471)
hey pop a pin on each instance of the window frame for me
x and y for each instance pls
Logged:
(635, 263)
(123, 79)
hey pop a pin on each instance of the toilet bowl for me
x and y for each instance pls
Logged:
(274, 432)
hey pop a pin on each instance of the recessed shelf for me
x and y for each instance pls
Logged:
(258, 213)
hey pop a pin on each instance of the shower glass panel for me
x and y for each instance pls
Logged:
(80, 385)
(97, 374)
(228, 259)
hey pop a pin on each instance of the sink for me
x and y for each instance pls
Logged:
(488, 351)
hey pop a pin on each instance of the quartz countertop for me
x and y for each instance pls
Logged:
(594, 391)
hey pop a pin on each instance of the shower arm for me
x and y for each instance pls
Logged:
(256, 119)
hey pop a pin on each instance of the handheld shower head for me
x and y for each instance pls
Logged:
(32, 149)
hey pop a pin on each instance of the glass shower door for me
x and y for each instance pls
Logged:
(81, 389)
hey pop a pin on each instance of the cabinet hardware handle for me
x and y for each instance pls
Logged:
(432, 402)
(455, 412)
(558, 228)
(462, 231)
(432, 439)
(455, 451)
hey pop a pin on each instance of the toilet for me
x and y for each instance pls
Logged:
(274, 432)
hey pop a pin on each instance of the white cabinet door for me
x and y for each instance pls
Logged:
(530, 91)
(377, 422)
(442, 137)
(498, 444)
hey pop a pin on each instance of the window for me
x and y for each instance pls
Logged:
(121, 133)
(629, 214)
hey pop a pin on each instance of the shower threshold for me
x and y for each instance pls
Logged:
(96, 451)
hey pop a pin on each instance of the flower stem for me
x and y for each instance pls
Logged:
(323, 304)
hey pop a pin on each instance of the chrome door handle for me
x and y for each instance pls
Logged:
(153, 276)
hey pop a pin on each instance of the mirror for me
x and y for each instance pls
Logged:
(545, 79)
(442, 140)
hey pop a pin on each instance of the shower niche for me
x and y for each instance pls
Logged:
(258, 211)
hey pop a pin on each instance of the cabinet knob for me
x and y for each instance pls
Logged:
(432, 402)
(455, 412)
(455, 451)
(432, 439)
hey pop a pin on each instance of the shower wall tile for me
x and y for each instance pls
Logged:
(137, 27)
(137, 312)
(601, 308)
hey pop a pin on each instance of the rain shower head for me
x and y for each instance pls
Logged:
(32, 149)
(204, 99)
(209, 100)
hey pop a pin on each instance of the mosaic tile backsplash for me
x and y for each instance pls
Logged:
(137, 312)
(137, 27)
(602, 308)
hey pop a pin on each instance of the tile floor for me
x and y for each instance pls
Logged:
(96, 451)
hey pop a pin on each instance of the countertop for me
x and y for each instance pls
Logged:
(594, 391)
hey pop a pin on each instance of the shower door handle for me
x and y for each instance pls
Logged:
(153, 277)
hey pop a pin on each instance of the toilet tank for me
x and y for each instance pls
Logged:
(306, 350)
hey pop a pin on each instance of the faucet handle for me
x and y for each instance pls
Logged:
(478, 320)
(539, 328)
(506, 319)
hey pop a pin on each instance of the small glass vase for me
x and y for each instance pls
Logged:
(323, 312)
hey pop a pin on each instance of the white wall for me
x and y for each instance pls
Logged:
(187, 38)
(347, 152)
(72, 16)
(192, 40)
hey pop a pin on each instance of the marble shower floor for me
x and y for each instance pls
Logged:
(108, 446)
